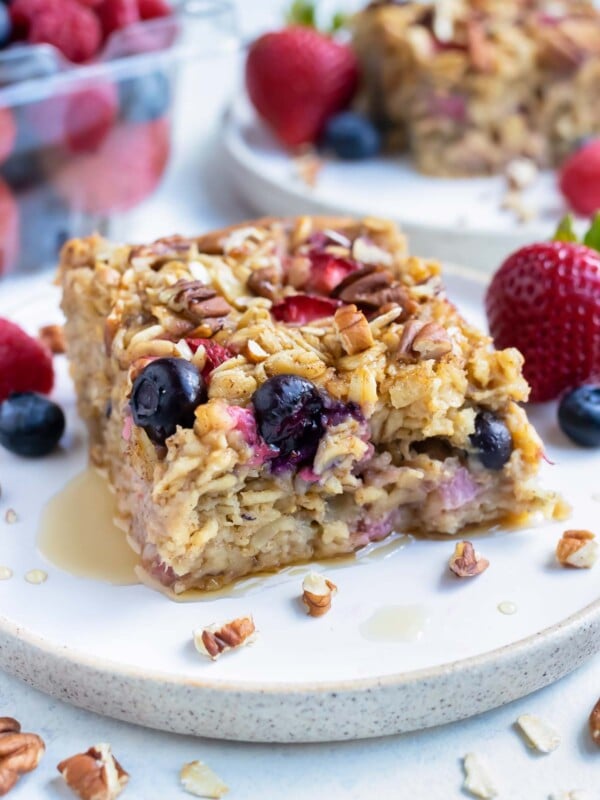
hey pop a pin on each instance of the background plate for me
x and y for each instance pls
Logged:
(126, 651)
(451, 219)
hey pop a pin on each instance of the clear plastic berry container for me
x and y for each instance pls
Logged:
(82, 144)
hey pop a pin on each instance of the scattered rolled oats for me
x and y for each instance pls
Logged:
(200, 780)
(254, 352)
(317, 592)
(595, 724)
(36, 576)
(577, 549)
(466, 561)
(10, 516)
(478, 781)
(521, 173)
(216, 639)
(94, 775)
(539, 734)
(5, 573)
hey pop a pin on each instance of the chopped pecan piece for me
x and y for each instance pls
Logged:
(264, 282)
(53, 336)
(317, 592)
(94, 775)
(19, 753)
(353, 329)
(577, 549)
(432, 341)
(197, 301)
(214, 640)
(466, 562)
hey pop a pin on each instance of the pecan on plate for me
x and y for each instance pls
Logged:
(595, 724)
(53, 337)
(317, 592)
(19, 753)
(216, 639)
(95, 774)
(466, 561)
(577, 549)
(264, 281)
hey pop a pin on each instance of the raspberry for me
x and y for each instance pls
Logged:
(90, 115)
(117, 14)
(121, 173)
(150, 9)
(25, 364)
(71, 28)
(9, 233)
(580, 179)
(8, 133)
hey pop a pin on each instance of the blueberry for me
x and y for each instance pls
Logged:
(165, 395)
(579, 415)
(289, 413)
(492, 440)
(30, 424)
(351, 136)
(5, 25)
(145, 98)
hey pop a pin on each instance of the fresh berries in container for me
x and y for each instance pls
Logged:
(87, 92)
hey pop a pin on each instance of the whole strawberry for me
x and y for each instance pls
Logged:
(297, 78)
(580, 179)
(545, 301)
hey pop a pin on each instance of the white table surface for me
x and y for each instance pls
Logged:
(420, 766)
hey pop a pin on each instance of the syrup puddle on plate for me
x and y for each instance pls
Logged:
(396, 624)
(78, 534)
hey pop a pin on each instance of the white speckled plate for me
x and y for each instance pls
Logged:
(126, 651)
(457, 220)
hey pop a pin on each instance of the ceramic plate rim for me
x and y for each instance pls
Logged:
(232, 144)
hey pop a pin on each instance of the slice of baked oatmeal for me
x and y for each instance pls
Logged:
(286, 390)
(467, 86)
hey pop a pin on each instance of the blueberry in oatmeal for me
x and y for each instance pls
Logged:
(165, 395)
(492, 440)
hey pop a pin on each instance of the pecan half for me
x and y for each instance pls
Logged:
(317, 592)
(197, 301)
(95, 774)
(264, 282)
(371, 288)
(466, 562)
(162, 250)
(595, 724)
(19, 753)
(577, 549)
(353, 329)
(214, 640)
(432, 341)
